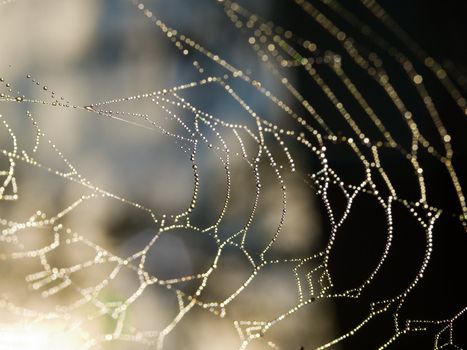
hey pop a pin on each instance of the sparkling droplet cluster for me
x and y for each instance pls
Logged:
(279, 50)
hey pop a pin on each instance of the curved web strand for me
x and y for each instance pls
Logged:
(273, 154)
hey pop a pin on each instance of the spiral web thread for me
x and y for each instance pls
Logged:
(279, 50)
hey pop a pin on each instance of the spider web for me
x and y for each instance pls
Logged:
(372, 155)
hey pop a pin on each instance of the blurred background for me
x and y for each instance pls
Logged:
(61, 57)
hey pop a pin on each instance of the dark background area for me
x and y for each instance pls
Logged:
(440, 29)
